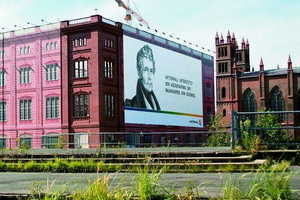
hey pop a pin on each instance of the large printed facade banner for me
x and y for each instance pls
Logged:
(161, 86)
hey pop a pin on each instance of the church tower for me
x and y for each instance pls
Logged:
(230, 61)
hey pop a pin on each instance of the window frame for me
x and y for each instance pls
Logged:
(109, 105)
(108, 69)
(2, 78)
(52, 107)
(81, 105)
(25, 75)
(25, 109)
(81, 69)
(52, 72)
(3, 110)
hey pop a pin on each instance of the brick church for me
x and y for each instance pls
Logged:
(242, 90)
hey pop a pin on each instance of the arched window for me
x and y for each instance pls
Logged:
(224, 112)
(223, 93)
(249, 101)
(26, 140)
(277, 101)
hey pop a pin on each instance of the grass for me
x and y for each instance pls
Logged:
(268, 183)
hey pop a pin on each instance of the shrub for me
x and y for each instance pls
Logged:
(220, 137)
(250, 140)
(273, 135)
(31, 166)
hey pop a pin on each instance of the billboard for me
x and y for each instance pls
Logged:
(161, 86)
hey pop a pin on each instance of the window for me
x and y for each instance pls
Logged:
(108, 69)
(208, 90)
(224, 112)
(277, 101)
(81, 69)
(2, 54)
(21, 51)
(109, 105)
(25, 75)
(3, 111)
(75, 43)
(108, 42)
(51, 45)
(81, 105)
(51, 72)
(84, 42)
(2, 78)
(249, 103)
(223, 93)
(80, 42)
(50, 141)
(25, 109)
(223, 67)
(2, 143)
(25, 140)
(239, 57)
(28, 49)
(47, 46)
(55, 45)
(222, 52)
(52, 107)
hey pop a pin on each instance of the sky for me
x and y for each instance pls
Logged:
(271, 26)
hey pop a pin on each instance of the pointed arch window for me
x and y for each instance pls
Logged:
(249, 101)
(277, 102)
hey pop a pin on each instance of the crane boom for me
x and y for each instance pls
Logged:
(130, 12)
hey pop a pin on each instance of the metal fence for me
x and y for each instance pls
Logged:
(111, 140)
(276, 128)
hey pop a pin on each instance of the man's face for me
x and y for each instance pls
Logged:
(146, 74)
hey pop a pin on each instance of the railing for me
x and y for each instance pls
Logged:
(81, 20)
(108, 21)
(110, 140)
(276, 128)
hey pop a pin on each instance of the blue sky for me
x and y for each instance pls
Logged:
(271, 26)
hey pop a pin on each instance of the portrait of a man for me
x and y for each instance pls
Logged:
(145, 97)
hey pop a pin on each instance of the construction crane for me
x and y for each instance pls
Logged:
(130, 12)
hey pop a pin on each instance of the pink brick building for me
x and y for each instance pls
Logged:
(31, 84)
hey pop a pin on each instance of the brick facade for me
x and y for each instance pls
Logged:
(103, 44)
(233, 83)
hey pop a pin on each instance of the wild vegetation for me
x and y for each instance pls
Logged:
(271, 183)
(219, 136)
